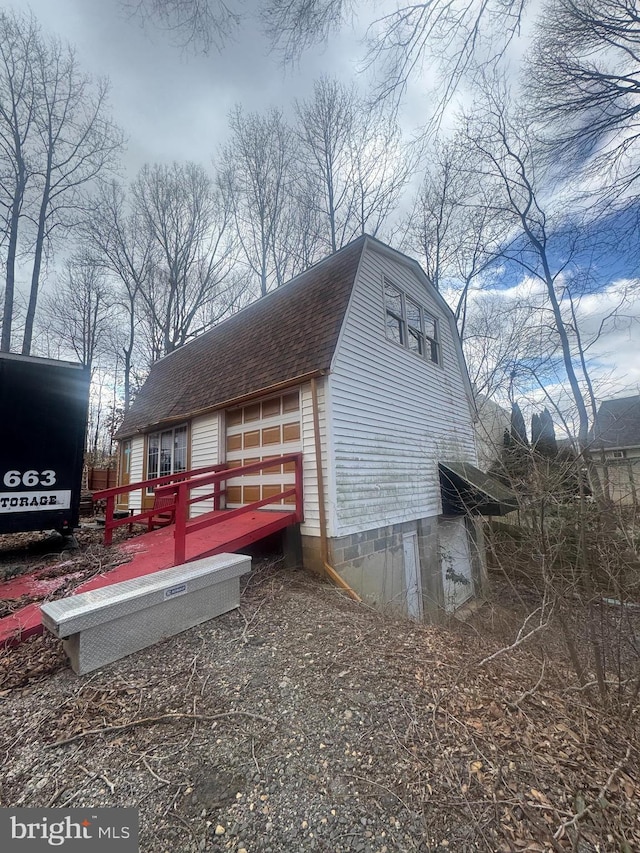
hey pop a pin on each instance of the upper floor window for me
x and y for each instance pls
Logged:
(409, 324)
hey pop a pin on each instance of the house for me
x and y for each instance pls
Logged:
(357, 364)
(491, 424)
(615, 448)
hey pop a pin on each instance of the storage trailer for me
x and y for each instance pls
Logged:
(43, 420)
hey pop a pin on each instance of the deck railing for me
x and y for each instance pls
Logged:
(110, 495)
(183, 501)
(180, 487)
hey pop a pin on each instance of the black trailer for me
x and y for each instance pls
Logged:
(43, 420)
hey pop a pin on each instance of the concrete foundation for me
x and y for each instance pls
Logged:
(475, 529)
(312, 554)
(292, 547)
(373, 564)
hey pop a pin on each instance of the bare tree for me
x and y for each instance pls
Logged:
(325, 129)
(19, 41)
(80, 310)
(257, 165)
(381, 167)
(583, 83)
(300, 235)
(431, 229)
(121, 245)
(620, 314)
(452, 226)
(76, 142)
(150, 330)
(506, 339)
(453, 33)
(295, 25)
(199, 24)
(190, 226)
(353, 164)
(55, 138)
(541, 244)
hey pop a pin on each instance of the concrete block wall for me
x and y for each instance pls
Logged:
(372, 562)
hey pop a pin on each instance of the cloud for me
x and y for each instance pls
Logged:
(609, 321)
(508, 333)
(172, 104)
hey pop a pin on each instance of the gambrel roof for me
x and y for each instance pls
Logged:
(618, 423)
(289, 334)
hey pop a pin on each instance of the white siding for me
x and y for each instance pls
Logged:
(137, 467)
(311, 526)
(394, 415)
(205, 450)
(620, 475)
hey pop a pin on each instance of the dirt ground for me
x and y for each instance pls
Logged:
(304, 721)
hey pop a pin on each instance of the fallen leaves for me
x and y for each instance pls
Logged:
(397, 709)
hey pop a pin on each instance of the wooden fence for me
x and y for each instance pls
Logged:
(101, 478)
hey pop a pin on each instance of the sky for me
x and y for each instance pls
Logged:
(610, 332)
(173, 105)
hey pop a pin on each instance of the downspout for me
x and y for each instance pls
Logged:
(324, 547)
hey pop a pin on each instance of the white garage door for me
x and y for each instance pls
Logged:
(259, 431)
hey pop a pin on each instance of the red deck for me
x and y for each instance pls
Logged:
(149, 552)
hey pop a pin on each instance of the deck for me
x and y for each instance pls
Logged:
(146, 553)
(183, 540)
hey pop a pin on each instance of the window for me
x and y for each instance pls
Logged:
(126, 458)
(409, 324)
(166, 453)
(415, 336)
(395, 318)
(619, 454)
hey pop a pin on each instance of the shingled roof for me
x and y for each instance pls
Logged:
(288, 334)
(618, 423)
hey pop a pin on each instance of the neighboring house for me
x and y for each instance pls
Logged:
(615, 447)
(490, 427)
(363, 346)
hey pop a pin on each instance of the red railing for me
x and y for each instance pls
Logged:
(182, 502)
(181, 486)
(109, 495)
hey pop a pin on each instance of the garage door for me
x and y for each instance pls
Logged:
(259, 431)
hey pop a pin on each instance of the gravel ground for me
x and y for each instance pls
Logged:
(304, 721)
